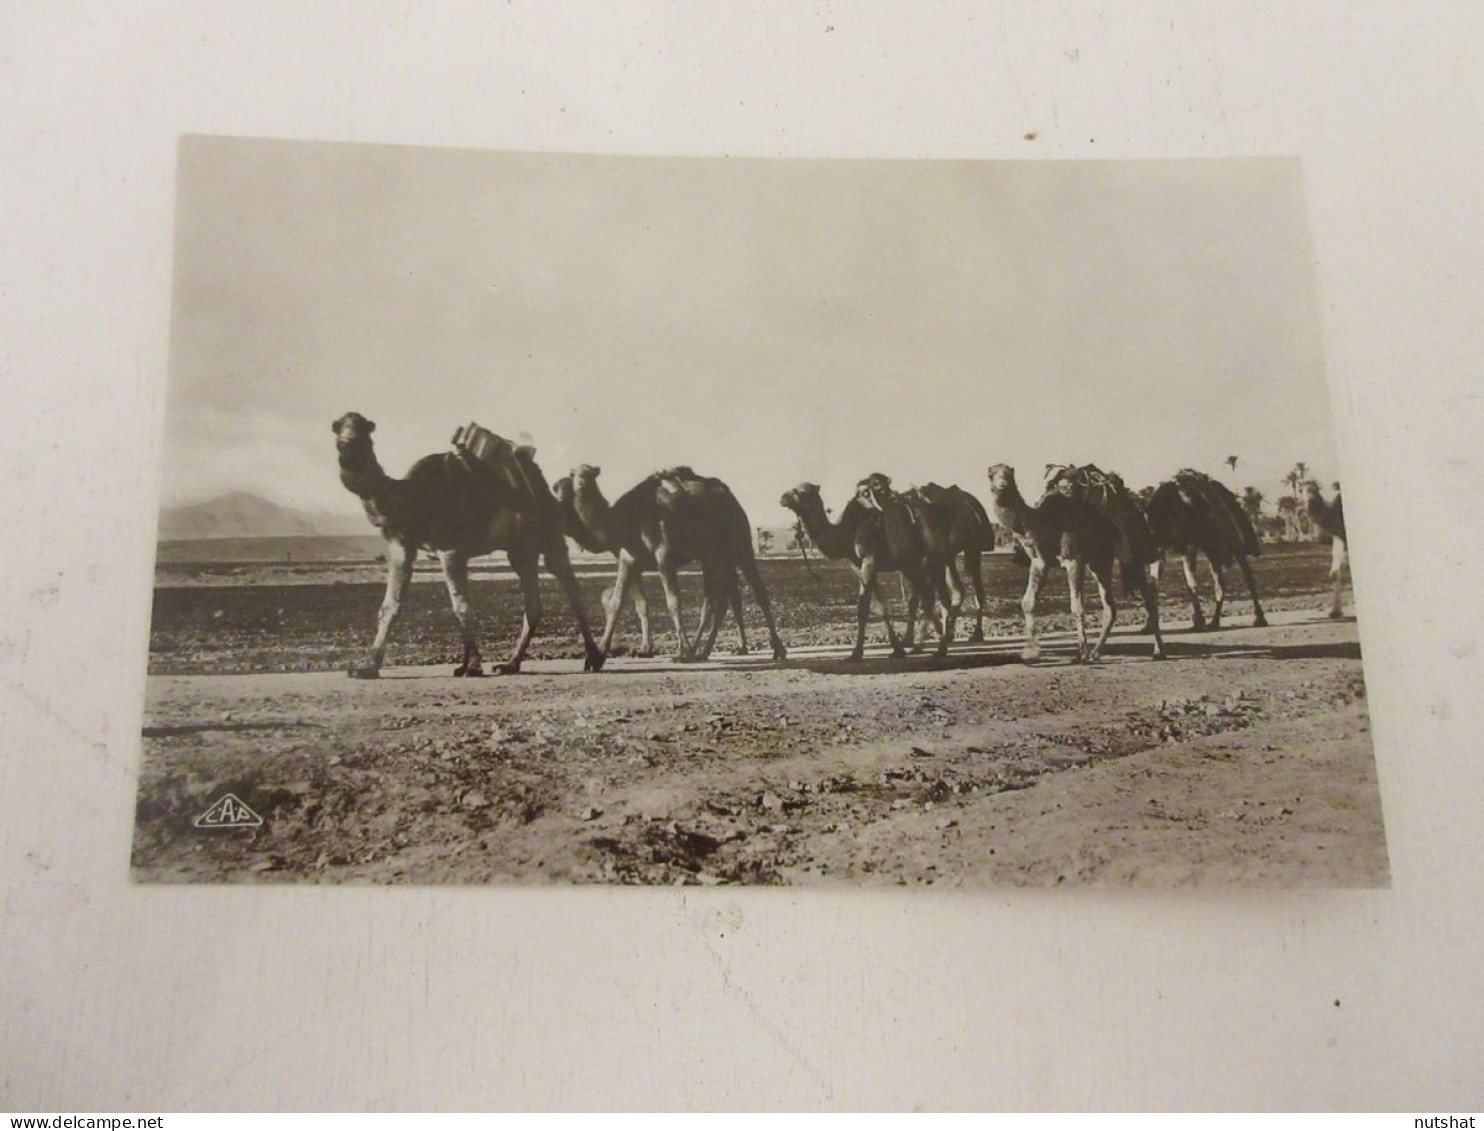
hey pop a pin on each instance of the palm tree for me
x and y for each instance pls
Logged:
(1231, 462)
(1252, 504)
(1288, 512)
(1296, 480)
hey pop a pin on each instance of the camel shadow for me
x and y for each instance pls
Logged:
(723, 664)
(210, 728)
(889, 665)
(1188, 649)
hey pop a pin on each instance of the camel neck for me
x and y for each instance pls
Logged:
(834, 539)
(361, 473)
(592, 512)
(1324, 514)
(1010, 509)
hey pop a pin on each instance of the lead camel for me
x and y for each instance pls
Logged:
(459, 509)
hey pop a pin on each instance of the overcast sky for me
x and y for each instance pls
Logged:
(767, 322)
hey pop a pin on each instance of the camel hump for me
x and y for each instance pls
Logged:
(971, 504)
(1223, 511)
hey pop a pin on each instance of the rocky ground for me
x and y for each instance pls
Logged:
(1245, 759)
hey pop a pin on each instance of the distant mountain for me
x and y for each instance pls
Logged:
(241, 514)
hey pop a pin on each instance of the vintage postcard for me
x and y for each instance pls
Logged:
(535, 518)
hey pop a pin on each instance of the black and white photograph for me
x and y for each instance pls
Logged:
(541, 518)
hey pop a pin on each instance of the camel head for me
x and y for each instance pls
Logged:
(803, 497)
(1002, 478)
(352, 430)
(583, 477)
(585, 474)
(1168, 510)
(874, 491)
(583, 516)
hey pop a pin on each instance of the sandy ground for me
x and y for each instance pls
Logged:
(1244, 759)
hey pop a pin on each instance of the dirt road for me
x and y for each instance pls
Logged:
(1244, 759)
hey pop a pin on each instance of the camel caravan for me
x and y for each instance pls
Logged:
(487, 494)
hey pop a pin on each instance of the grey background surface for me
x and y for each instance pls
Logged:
(149, 998)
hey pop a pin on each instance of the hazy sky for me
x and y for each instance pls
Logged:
(764, 321)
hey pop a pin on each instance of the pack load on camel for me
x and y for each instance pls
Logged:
(513, 465)
(1107, 491)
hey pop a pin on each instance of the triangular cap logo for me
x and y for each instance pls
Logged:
(228, 812)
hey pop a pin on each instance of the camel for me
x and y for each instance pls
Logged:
(970, 533)
(594, 543)
(1136, 552)
(1064, 530)
(874, 541)
(1330, 518)
(460, 508)
(668, 520)
(594, 539)
(1194, 514)
(935, 530)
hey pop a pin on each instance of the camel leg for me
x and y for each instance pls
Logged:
(641, 609)
(898, 649)
(909, 598)
(399, 562)
(456, 576)
(1103, 576)
(760, 595)
(1151, 621)
(867, 573)
(1188, 561)
(737, 614)
(1220, 595)
(1076, 569)
(670, 579)
(625, 580)
(976, 576)
(714, 610)
(713, 614)
(703, 626)
(1258, 620)
(524, 565)
(1032, 650)
(1337, 555)
(1150, 593)
(560, 567)
(950, 591)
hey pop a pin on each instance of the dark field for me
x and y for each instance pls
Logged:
(308, 616)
